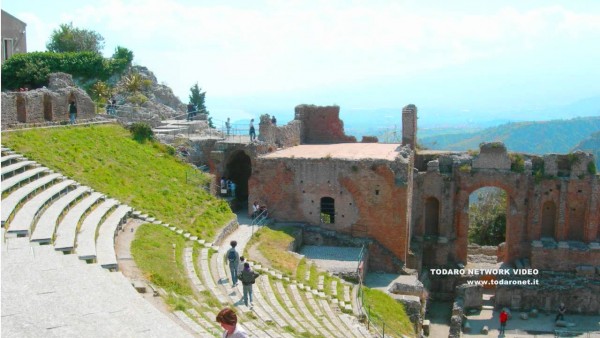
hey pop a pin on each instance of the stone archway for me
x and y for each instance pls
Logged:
(238, 168)
(515, 216)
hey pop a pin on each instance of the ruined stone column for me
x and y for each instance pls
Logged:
(409, 126)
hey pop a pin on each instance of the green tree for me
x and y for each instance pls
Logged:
(197, 99)
(71, 39)
(487, 217)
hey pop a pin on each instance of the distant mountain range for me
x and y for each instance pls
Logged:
(539, 137)
(591, 145)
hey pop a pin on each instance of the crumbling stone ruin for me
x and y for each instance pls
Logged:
(46, 105)
(414, 203)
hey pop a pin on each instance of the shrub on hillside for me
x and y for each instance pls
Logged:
(141, 131)
(31, 70)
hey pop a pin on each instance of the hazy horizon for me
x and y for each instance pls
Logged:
(498, 60)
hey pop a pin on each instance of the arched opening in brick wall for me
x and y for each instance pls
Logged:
(21, 110)
(548, 219)
(487, 224)
(48, 116)
(575, 220)
(239, 169)
(432, 216)
(327, 210)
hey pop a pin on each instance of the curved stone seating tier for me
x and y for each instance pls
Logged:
(44, 228)
(86, 239)
(264, 284)
(11, 201)
(208, 279)
(105, 245)
(67, 298)
(19, 178)
(67, 229)
(10, 158)
(16, 166)
(23, 220)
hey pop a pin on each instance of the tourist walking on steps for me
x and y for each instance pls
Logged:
(248, 277)
(252, 131)
(228, 320)
(233, 259)
(503, 319)
(72, 112)
(561, 312)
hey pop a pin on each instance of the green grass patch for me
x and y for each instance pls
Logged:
(145, 175)
(153, 252)
(385, 308)
(273, 245)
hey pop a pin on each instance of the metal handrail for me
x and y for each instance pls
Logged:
(360, 298)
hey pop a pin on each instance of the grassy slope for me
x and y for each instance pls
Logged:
(144, 176)
(384, 307)
(542, 137)
(273, 243)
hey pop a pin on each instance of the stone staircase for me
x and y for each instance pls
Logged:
(43, 207)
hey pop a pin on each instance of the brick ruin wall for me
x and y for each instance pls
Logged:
(46, 105)
(371, 197)
(321, 125)
(285, 136)
(574, 193)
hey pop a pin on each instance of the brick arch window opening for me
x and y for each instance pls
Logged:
(432, 216)
(327, 210)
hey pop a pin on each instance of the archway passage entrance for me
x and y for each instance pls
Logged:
(239, 169)
(487, 224)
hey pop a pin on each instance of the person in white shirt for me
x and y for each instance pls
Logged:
(228, 320)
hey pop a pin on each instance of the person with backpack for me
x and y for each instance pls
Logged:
(233, 259)
(248, 277)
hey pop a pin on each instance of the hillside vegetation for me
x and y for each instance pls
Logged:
(542, 137)
(145, 176)
(591, 145)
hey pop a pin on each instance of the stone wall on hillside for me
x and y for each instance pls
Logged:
(46, 104)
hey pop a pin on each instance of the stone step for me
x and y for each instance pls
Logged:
(306, 312)
(191, 324)
(207, 277)
(289, 305)
(190, 268)
(265, 284)
(67, 228)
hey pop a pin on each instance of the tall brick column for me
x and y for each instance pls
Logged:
(409, 126)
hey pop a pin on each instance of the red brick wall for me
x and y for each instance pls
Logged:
(322, 125)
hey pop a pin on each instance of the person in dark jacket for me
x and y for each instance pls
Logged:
(248, 277)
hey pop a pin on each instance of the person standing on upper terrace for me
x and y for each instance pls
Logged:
(252, 131)
(72, 112)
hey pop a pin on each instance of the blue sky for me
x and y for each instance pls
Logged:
(468, 56)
